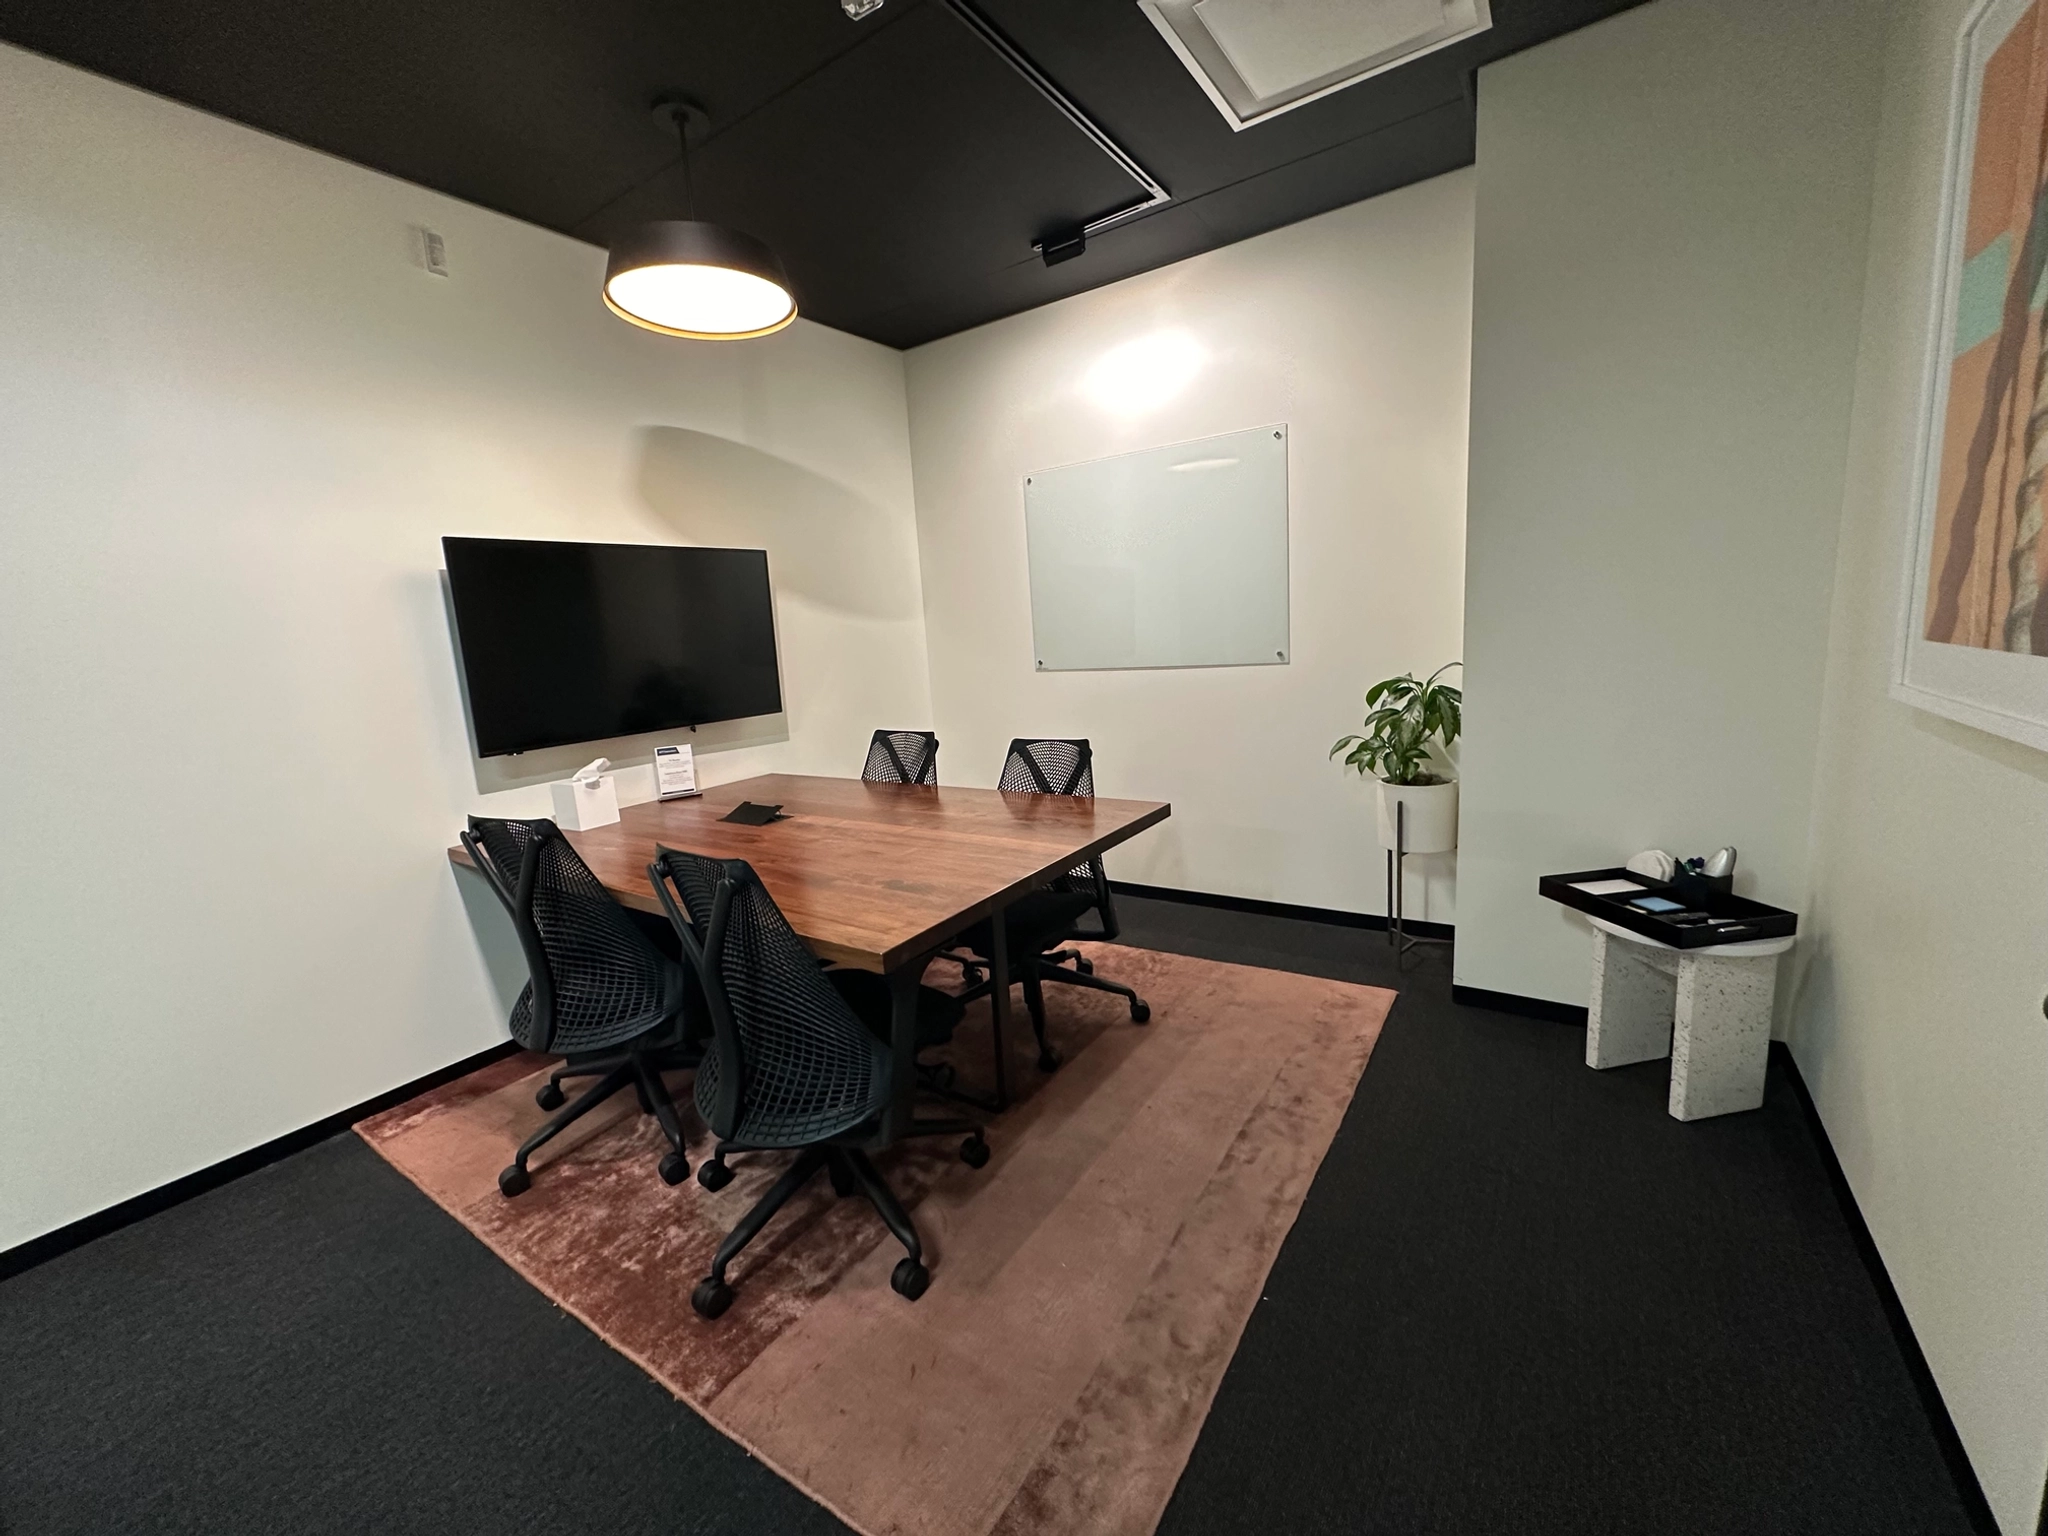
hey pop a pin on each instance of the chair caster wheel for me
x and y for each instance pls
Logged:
(1047, 1062)
(514, 1181)
(549, 1097)
(714, 1175)
(674, 1169)
(1084, 965)
(842, 1180)
(972, 977)
(1141, 1013)
(909, 1279)
(711, 1297)
(974, 1151)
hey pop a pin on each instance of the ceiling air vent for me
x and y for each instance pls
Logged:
(1259, 58)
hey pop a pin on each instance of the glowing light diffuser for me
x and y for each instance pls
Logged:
(684, 278)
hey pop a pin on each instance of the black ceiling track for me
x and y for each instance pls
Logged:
(1065, 244)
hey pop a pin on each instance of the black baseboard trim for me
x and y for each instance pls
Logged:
(1251, 904)
(39, 1250)
(1968, 1489)
(1527, 1007)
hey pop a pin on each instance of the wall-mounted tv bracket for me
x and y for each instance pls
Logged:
(1065, 244)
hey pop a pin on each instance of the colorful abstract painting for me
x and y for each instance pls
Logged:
(1974, 642)
(1990, 559)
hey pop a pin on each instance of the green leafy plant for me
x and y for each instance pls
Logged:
(1402, 717)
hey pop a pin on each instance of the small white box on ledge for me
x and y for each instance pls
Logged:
(590, 799)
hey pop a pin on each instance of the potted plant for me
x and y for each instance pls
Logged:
(1404, 718)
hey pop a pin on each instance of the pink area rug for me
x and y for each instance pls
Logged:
(1089, 1286)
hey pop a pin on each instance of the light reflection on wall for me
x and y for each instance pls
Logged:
(1142, 375)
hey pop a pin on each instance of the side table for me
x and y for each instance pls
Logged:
(1708, 1009)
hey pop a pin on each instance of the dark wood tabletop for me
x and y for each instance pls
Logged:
(871, 875)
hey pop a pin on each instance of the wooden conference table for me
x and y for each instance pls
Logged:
(878, 876)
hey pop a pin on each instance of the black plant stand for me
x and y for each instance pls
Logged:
(1397, 904)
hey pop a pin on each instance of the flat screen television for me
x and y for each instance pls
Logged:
(578, 642)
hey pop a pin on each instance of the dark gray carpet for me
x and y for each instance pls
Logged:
(1519, 1298)
(317, 1348)
(1522, 1298)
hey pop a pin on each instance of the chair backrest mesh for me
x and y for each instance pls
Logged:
(1054, 767)
(1049, 768)
(792, 1063)
(597, 979)
(902, 757)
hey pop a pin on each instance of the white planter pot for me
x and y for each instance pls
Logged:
(1430, 821)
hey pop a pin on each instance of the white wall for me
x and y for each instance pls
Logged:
(1353, 328)
(236, 416)
(1671, 218)
(1918, 1022)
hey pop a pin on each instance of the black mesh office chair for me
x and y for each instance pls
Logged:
(791, 1066)
(1038, 924)
(902, 757)
(600, 993)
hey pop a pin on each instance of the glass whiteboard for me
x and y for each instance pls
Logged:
(1173, 557)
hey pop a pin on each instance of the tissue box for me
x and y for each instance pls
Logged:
(579, 808)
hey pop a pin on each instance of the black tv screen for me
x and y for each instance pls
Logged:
(578, 642)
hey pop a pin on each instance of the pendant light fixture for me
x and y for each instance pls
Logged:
(686, 278)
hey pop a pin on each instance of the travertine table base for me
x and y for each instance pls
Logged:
(1708, 1009)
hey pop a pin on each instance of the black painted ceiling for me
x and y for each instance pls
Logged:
(899, 167)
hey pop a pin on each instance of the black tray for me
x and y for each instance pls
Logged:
(1757, 921)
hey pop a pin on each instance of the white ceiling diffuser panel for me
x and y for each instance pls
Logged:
(1281, 45)
(1259, 58)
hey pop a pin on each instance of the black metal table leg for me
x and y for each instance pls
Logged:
(903, 984)
(999, 1001)
(899, 1120)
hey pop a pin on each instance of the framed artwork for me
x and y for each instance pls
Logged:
(1973, 641)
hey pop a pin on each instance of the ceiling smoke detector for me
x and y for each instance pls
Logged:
(1259, 58)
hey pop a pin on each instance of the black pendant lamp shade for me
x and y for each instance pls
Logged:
(683, 277)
